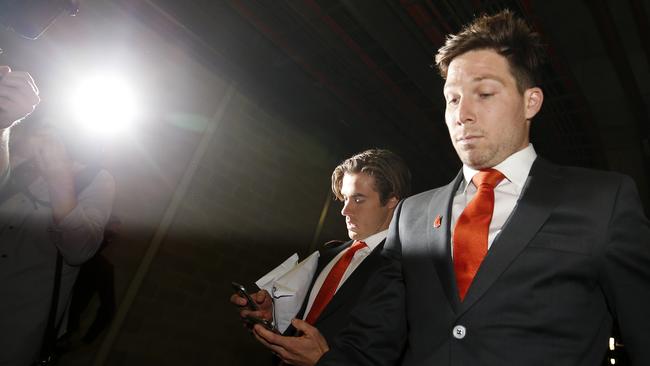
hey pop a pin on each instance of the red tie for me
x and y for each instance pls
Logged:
(472, 228)
(331, 282)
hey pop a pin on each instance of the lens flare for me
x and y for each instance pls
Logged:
(104, 104)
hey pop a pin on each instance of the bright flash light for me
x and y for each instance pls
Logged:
(104, 104)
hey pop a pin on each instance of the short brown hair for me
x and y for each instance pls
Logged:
(507, 35)
(392, 176)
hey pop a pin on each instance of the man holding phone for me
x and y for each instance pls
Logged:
(370, 185)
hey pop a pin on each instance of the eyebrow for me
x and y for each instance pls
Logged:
(489, 77)
(479, 79)
(356, 195)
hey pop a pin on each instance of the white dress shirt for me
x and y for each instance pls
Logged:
(506, 194)
(361, 254)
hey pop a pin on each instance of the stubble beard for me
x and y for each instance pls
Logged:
(476, 157)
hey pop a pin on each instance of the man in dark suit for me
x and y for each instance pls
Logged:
(517, 261)
(370, 184)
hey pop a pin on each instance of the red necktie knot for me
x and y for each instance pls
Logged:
(331, 283)
(356, 246)
(487, 177)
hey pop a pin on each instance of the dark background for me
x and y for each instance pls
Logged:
(249, 105)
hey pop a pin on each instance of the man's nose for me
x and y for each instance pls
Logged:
(346, 210)
(465, 112)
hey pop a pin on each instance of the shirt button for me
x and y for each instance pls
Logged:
(459, 332)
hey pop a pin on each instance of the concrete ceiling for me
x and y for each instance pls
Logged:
(366, 65)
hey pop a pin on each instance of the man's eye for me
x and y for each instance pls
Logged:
(485, 95)
(358, 200)
(452, 101)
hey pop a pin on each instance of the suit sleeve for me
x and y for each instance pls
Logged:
(626, 279)
(376, 333)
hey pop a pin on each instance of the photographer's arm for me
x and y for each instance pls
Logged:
(79, 233)
(78, 218)
(18, 96)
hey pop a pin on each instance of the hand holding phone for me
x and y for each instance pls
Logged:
(251, 320)
(241, 291)
(258, 308)
(253, 313)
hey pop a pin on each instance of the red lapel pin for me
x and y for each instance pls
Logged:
(437, 222)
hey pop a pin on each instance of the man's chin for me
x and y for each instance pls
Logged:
(474, 161)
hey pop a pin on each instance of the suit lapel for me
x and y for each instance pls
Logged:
(326, 255)
(353, 284)
(439, 238)
(532, 210)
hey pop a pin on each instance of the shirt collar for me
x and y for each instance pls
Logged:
(373, 240)
(515, 168)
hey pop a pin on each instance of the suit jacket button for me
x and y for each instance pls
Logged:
(459, 332)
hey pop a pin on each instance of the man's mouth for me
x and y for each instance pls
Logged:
(468, 139)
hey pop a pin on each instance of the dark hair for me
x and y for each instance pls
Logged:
(392, 176)
(507, 35)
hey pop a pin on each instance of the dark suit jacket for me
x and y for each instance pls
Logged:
(336, 315)
(573, 256)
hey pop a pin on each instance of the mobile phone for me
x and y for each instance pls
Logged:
(265, 323)
(241, 291)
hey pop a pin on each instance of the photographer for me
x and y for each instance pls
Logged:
(52, 211)
(52, 214)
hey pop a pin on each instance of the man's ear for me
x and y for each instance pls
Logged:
(533, 99)
(392, 202)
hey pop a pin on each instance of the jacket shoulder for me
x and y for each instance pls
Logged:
(332, 244)
(588, 177)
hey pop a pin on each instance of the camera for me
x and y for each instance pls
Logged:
(31, 18)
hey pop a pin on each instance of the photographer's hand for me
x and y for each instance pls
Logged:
(18, 96)
(55, 167)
